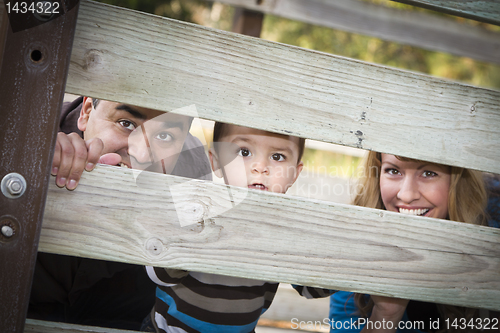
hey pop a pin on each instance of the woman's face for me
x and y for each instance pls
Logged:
(415, 188)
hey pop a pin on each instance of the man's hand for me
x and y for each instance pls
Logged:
(73, 155)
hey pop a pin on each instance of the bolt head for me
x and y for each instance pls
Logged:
(15, 186)
(47, 12)
(7, 231)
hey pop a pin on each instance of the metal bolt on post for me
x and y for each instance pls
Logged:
(13, 185)
(7, 231)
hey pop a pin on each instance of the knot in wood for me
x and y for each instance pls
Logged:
(473, 110)
(189, 213)
(154, 246)
(92, 59)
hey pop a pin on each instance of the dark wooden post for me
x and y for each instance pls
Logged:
(35, 51)
(247, 22)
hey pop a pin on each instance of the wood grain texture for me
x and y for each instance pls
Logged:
(410, 28)
(166, 64)
(481, 10)
(271, 237)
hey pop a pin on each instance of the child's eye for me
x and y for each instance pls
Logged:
(429, 174)
(164, 136)
(127, 124)
(244, 152)
(278, 157)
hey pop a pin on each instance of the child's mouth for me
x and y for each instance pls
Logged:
(123, 165)
(417, 212)
(258, 187)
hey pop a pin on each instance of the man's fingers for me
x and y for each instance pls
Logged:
(110, 159)
(79, 160)
(56, 161)
(94, 151)
(65, 155)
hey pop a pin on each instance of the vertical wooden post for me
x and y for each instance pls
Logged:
(247, 22)
(35, 53)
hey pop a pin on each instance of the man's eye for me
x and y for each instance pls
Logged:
(127, 124)
(429, 174)
(278, 157)
(164, 136)
(244, 152)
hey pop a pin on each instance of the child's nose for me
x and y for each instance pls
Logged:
(259, 165)
(408, 190)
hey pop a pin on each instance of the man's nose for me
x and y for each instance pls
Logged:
(138, 147)
(260, 165)
(409, 190)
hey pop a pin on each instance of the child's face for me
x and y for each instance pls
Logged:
(257, 159)
(415, 188)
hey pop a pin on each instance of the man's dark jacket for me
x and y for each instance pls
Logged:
(96, 292)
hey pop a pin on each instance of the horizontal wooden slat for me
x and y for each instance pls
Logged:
(166, 64)
(234, 231)
(411, 28)
(481, 10)
(39, 326)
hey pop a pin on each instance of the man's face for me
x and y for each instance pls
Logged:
(140, 136)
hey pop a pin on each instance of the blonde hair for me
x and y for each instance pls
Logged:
(467, 201)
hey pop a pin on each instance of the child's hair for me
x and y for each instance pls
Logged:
(221, 128)
(467, 200)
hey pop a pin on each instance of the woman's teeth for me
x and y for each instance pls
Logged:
(123, 165)
(418, 212)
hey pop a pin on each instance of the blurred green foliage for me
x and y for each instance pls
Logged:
(331, 163)
(183, 10)
(381, 52)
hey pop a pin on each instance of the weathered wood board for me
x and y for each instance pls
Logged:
(234, 231)
(481, 10)
(419, 29)
(165, 64)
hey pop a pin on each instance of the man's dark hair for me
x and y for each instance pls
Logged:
(221, 128)
(95, 102)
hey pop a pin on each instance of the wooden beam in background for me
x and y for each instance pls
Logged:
(251, 82)
(247, 22)
(410, 28)
(487, 11)
(290, 239)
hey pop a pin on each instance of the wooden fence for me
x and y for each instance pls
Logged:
(140, 59)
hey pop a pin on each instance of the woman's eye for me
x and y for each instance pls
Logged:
(392, 171)
(244, 152)
(164, 136)
(278, 157)
(127, 124)
(429, 174)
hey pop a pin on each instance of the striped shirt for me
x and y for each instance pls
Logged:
(202, 302)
